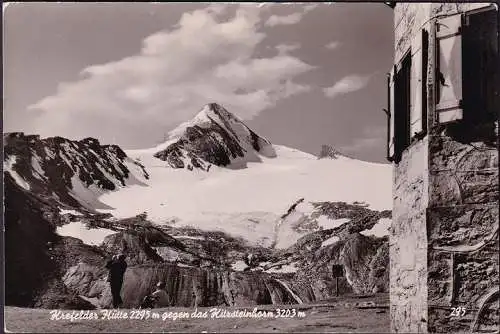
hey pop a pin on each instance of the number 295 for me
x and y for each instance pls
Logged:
(457, 311)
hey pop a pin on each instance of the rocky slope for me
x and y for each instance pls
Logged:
(32, 272)
(73, 173)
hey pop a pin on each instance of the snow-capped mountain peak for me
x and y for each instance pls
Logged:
(214, 137)
(211, 112)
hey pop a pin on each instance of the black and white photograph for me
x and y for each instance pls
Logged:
(262, 167)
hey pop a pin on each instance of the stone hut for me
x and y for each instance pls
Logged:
(443, 106)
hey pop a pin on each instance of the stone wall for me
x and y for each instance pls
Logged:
(462, 222)
(408, 244)
(446, 207)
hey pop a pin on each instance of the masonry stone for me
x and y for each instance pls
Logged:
(444, 245)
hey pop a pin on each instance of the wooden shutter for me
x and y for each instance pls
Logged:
(449, 69)
(391, 114)
(402, 96)
(416, 102)
(425, 69)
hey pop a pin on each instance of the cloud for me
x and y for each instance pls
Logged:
(332, 45)
(348, 84)
(201, 60)
(285, 48)
(308, 8)
(275, 20)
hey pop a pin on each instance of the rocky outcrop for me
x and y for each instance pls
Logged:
(364, 261)
(136, 248)
(305, 221)
(185, 285)
(68, 171)
(328, 152)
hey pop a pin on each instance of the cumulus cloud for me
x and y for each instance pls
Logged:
(348, 84)
(332, 45)
(176, 72)
(285, 48)
(276, 20)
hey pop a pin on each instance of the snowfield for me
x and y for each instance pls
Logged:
(248, 202)
(93, 236)
(380, 229)
(8, 165)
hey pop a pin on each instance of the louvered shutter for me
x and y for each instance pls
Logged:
(391, 114)
(416, 102)
(449, 69)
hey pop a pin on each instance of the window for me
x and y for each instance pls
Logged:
(466, 88)
(467, 72)
(402, 95)
(480, 70)
(407, 95)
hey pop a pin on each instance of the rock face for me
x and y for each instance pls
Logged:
(185, 286)
(72, 172)
(33, 270)
(364, 261)
(328, 152)
(214, 136)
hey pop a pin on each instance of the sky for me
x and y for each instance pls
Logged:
(301, 75)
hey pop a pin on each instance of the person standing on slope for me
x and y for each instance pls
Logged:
(116, 267)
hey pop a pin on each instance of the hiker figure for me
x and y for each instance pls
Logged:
(160, 296)
(116, 267)
(197, 295)
(251, 261)
(147, 302)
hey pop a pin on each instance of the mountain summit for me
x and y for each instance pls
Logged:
(214, 137)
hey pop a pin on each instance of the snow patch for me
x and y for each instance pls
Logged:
(8, 166)
(87, 196)
(330, 241)
(49, 153)
(37, 168)
(188, 237)
(328, 223)
(66, 159)
(286, 235)
(380, 229)
(239, 265)
(94, 236)
(285, 269)
(73, 212)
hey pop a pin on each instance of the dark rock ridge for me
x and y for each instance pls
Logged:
(215, 137)
(53, 167)
(32, 270)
